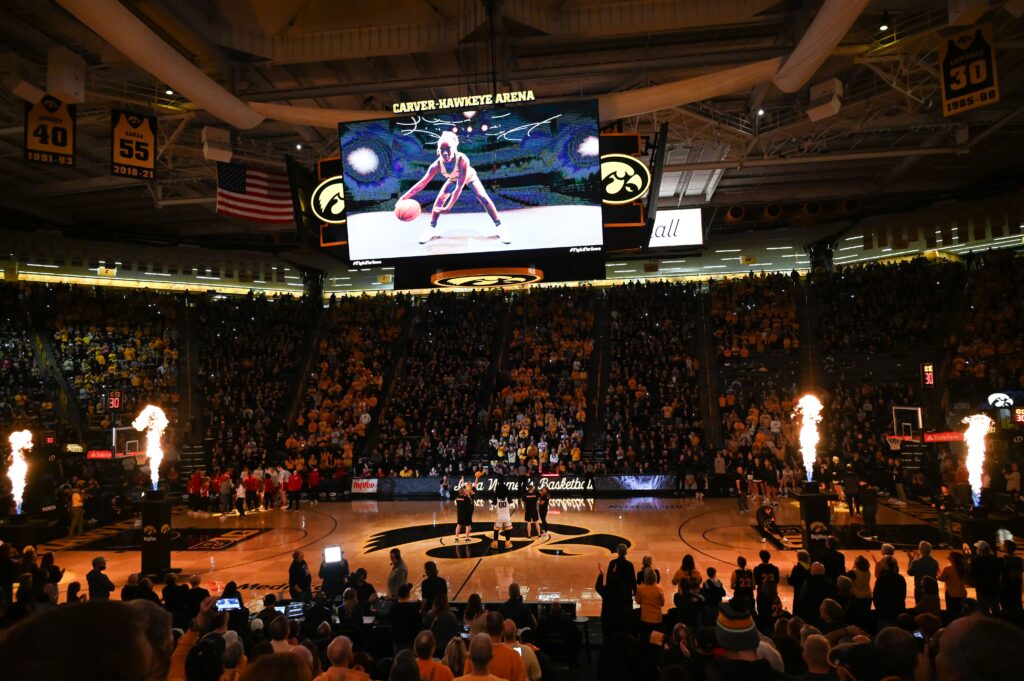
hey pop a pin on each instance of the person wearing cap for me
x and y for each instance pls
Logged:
(984, 575)
(736, 655)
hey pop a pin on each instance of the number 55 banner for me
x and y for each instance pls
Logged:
(967, 62)
(133, 145)
(50, 132)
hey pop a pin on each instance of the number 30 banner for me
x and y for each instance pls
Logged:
(50, 132)
(967, 61)
(133, 145)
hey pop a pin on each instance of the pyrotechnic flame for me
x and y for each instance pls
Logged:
(152, 420)
(977, 428)
(809, 408)
(21, 441)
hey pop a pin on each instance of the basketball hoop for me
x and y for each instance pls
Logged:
(894, 442)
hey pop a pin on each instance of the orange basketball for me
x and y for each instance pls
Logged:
(407, 209)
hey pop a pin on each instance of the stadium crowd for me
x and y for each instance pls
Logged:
(539, 406)
(248, 352)
(651, 408)
(343, 396)
(433, 408)
(754, 315)
(107, 338)
(25, 397)
(835, 617)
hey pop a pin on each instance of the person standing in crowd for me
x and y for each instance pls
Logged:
(252, 485)
(1010, 578)
(425, 648)
(890, 592)
(240, 498)
(799, 574)
(651, 600)
(922, 565)
(953, 576)
(686, 573)
(77, 510)
(313, 481)
(741, 483)
(621, 579)
(195, 596)
(294, 491)
(712, 590)
(300, 581)
(464, 512)
(833, 559)
(984, 575)
(399, 575)
(515, 608)
(227, 493)
(815, 589)
(100, 586)
(333, 577)
(432, 586)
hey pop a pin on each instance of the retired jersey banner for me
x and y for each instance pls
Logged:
(50, 132)
(967, 65)
(133, 145)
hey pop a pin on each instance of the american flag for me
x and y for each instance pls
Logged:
(253, 195)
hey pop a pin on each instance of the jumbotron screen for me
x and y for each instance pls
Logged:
(486, 181)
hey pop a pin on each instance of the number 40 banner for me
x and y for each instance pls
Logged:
(967, 61)
(133, 145)
(50, 132)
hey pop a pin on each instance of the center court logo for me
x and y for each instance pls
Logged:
(562, 540)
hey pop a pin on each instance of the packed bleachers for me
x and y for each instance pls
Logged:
(877, 308)
(989, 349)
(754, 315)
(106, 338)
(26, 398)
(434, 404)
(249, 350)
(343, 395)
(539, 406)
(651, 409)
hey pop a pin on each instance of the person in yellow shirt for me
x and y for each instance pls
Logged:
(651, 600)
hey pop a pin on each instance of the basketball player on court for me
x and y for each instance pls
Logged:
(457, 172)
(464, 511)
(503, 516)
(542, 507)
(532, 515)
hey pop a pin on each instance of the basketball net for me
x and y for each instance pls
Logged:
(894, 442)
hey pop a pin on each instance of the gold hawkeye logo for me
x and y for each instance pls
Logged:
(489, 277)
(624, 179)
(329, 201)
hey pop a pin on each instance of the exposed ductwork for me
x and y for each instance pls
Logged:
(677, 93)
(831, 23)
(318, 118)
(122, 29)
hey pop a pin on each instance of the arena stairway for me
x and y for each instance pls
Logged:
(66, 402)
(190, 423)
(811, 377)
(311, 353)
(705, 349)
(600, 361)
(484, 400)
(391, 376)
(191, 458)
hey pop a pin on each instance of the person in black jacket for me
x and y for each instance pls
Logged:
(405, 618)
(815, 589)
(890, 592)
(984, 575)
(833, 559)
(800, 572)
(432, 585)
(622, 575)
(516, 610)
(334, 577)
(174, 600)
(300, 581)
(616, 611)
(195, 596)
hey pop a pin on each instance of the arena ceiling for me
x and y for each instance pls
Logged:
(888, 147)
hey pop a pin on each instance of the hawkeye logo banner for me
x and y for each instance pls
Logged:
(488, 277)
(133, 145)
(967, 65)
(50, 132)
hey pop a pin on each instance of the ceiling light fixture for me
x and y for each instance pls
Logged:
(886, 21)
(299, 147)
(760, 112)
(168, 91)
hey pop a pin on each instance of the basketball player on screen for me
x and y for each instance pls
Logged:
(457, 172)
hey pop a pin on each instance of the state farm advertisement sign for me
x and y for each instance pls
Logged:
(364, 486)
